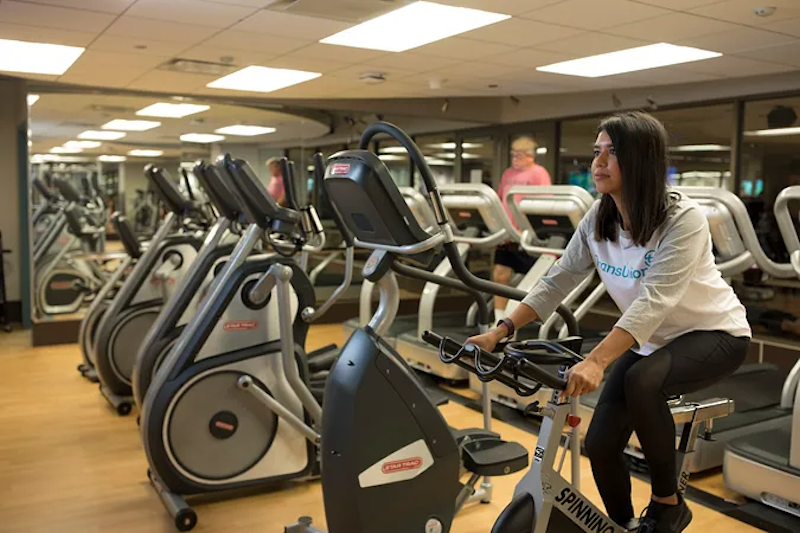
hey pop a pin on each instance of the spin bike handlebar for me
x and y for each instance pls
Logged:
(519, 360)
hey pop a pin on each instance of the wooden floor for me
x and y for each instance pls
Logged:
(69, 465)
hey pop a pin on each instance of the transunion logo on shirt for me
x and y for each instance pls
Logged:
(625, 271)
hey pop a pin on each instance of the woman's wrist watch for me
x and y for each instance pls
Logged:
(509, 327)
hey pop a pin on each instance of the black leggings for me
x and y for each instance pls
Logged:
(634, 399)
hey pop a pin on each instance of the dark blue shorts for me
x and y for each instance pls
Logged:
(511, 256)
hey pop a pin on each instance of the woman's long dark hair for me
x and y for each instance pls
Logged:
(640, 142)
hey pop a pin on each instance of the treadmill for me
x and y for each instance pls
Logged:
(765, 465)
(754, 388)
(480, 223)
(422, 211)
(546, 216)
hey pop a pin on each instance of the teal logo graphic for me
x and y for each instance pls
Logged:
(625, 271)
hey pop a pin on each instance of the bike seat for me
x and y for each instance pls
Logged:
(494, 457)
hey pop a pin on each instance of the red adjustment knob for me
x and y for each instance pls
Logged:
(573, 421)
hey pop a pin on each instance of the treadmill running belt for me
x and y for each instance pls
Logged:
(770, 448)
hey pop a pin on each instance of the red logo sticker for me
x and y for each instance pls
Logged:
(403, 464)
(240, 325)
(340, 168)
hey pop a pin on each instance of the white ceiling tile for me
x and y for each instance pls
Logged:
(593, 15)
(54, 36)
(519, 32)
(788, 54)
(38, 77)
(738, 40)
(159, 80)
(289, 25)
(478, 69)
(789, 27)
(304, 63)
(100, 60)
(215, 54)
(353, 72)
(343, 54)
(529, 58)
(742, 11)
(460, 48)
(196, 12)
(508, 7)
(677, 5)
(734, 67)
(104, 6)
(115, 43)
(254, 42)
(247, 3)
(589, 44)
(412, 62)
(12, 12)
(128, 26)
(658, 76)
(671, 28)
(108, 76)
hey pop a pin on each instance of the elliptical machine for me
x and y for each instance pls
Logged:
(156, 276)
(231, 405)
(390, 463)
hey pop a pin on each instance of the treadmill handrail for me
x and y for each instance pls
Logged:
(745, 227)
(790, 386)
(497, 218)
(785, 223)
(409, 249)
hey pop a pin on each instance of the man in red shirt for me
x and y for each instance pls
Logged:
(508, 257)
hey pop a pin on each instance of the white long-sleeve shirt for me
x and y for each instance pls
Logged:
(665, 289)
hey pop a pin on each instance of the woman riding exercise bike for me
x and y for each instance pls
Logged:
(682, 326)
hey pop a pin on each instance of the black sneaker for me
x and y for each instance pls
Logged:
(662, 518)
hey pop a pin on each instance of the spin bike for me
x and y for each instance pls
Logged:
(390, 463)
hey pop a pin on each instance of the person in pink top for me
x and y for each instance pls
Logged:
(275, 187)
(508, 257)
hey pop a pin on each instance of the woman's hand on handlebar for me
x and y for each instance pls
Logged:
(583, 378)
(488, 341)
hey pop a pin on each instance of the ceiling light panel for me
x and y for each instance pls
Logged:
(96, 135)
(201, 138)
(32, 99)
(83, 145)
(65, 150)
(245, 131)
(37, 58)
(167, 110)
(774, 132)
(130, 125)
(112, 158)
(262, 79)
(145, 153)
(412, 26)
(630, 60)
(700, 148)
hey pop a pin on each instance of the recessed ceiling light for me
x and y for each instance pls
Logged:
(130, 125)
(37, 58)
(412, 26)
(630, 60)
(82, 144)
(203, 138)
(188, 165)
(145, 153)
(112, 158)
(542, 150)
(65, 150)
(166, 110)
(32, 99)
(391, 157)
(30, 144)
(245, 131)
(774, 132)
(262, 79)
(96, 135)
(393, 150)
(700, 148)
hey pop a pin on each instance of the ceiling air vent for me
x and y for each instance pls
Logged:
(191, 66)
(344, 10)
